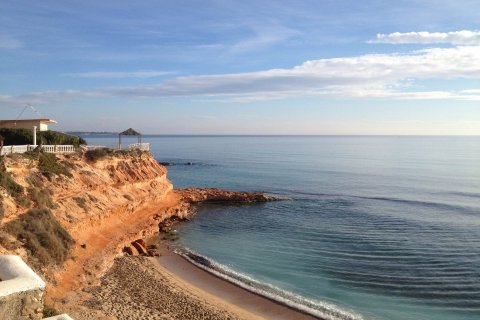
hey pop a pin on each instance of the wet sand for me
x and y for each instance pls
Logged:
(228, 292)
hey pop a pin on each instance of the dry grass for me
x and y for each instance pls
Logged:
(13, 188)
(45, 239)
(41, 197)
(96, 154)
(2, 210)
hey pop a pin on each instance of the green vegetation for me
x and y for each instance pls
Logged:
(96, 154)
(54, 137)
(49, 312)
(9, 184)
(25, 136)
(13, 188)
(45, 239)
(48, 165)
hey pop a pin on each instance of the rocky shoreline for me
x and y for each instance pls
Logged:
(188, 199)
(107, 206)
(214, 195)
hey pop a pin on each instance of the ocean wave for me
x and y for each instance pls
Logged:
(319, 309)
(347, 200)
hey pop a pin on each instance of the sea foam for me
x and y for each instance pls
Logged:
(320, 309)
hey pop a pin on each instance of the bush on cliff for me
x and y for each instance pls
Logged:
(41, 197)
(96, 154)
(45, 239)
(25, 136)
(49, 311)
(13, 188)
(48, 165)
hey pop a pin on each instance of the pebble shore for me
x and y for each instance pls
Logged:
(134, 289)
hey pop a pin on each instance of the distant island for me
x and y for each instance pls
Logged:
(91, 133)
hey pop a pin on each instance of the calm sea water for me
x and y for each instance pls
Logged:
(377, 228)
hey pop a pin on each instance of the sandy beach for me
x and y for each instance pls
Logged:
(170, 287)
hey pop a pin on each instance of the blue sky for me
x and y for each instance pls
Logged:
(244, 67)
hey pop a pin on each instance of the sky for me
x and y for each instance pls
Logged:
(244, 67)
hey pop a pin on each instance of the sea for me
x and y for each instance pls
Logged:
(374, 227)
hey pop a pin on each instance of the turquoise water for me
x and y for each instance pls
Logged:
(377, 228)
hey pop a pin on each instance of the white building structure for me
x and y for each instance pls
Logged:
(41, 124)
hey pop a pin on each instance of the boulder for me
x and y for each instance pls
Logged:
(128, 250)
(142, 242)
(153, 252)
(140, 248)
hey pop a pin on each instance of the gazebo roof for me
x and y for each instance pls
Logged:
(130, 132)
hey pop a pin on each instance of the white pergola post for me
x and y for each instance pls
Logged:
(34, 135)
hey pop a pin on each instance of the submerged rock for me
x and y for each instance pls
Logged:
(166, 164)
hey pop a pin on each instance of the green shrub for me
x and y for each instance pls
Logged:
(96, 154)
(48, 165)
(13, 188)
(25, 136)
(16, 136)
(49, 312)
(45, 239)
(54, 137)
(9, 184)
(32, 155)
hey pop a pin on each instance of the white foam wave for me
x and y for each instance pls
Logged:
(319, 309)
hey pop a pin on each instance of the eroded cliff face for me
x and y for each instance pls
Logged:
(95, 189)
(113, 188)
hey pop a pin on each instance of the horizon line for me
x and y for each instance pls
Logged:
(278, 135)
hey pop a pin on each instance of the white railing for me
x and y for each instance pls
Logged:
(62, 149)
(59, 148)
(46, 148)
(139, 146)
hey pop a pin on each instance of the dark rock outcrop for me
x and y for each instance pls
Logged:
(140, 248)
(194, 195)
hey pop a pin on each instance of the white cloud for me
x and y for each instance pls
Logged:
(366, 76)
(263, 37)
(463, 37)
(120, 74)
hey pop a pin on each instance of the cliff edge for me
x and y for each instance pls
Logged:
(68, 216)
